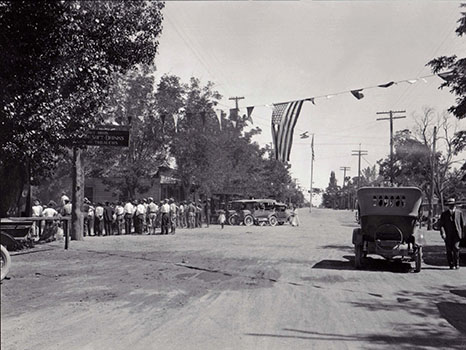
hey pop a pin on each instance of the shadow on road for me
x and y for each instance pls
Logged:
(412, 339)
(370, 264)
(436, 255)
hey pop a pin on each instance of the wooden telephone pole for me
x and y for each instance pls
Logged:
(359, 153)
(391, 118)
(345, 168)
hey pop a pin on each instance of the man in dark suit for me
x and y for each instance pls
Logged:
(108, 219)
(451, 225)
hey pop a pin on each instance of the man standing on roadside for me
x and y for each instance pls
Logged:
(451, 225)
(108, 219)
(129, 211)
(120, 217)
(153, 210)
(165, 211)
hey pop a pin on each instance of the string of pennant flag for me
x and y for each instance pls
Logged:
(285, 114)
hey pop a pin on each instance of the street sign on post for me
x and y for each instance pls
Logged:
(106, 137)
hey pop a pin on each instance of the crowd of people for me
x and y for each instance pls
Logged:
(144, 216)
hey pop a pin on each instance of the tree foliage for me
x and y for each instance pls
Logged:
(455, 81)
(57, 64)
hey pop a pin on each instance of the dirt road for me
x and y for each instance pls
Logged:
(238, 288)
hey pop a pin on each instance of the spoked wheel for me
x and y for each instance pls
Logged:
(248, 220)
(5, 262)
(273, 221)
(418, 260)
(358, 256)
(233, 220)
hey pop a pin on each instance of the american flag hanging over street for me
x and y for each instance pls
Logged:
(284, 118)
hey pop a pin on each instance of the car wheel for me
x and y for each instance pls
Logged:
(418, 260)
(248, 220)
(5, 262)
(233, 220)
(273, 221)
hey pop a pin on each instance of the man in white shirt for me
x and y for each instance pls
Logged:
(153, 210)
(173, 215)
(129, 211)
(165, 211)
(120, 217)
(139, 216)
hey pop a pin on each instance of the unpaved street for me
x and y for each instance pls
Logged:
(239, 288)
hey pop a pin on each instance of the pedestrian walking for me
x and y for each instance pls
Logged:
(129, 212)
(451, 225)
(99, 219)
(222, 218)
(165, 211)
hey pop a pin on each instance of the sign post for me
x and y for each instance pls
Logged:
(106, 135)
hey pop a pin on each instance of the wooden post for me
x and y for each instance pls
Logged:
(77, 196)
(432, 182)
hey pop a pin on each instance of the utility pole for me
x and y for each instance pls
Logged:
(432, 182)
(344, 168)
(359, 153)
(312, 170)
(391, 118)
(236, 99)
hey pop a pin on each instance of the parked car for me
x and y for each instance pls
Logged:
(241, 212)
(389, 218)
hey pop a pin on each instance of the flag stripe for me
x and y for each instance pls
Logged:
(295, 108)
(284, 119)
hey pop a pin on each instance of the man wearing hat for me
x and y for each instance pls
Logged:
(451, 225)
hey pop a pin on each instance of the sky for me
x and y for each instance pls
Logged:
(277, 51)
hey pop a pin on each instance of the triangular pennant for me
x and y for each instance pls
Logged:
(412, 81)
(447, 76)
(234, 116)
(312, 99)
(249, 112)
(304, 135)
(329, 96)
(386, 85)
(357, 93)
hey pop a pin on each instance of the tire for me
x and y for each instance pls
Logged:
(273, 221)
(233, 220)
(248, 220)
(418, 260)
(358, 256)
(6, 262)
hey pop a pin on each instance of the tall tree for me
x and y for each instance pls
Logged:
(455, 79)
(132, 102)
(56, 68)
